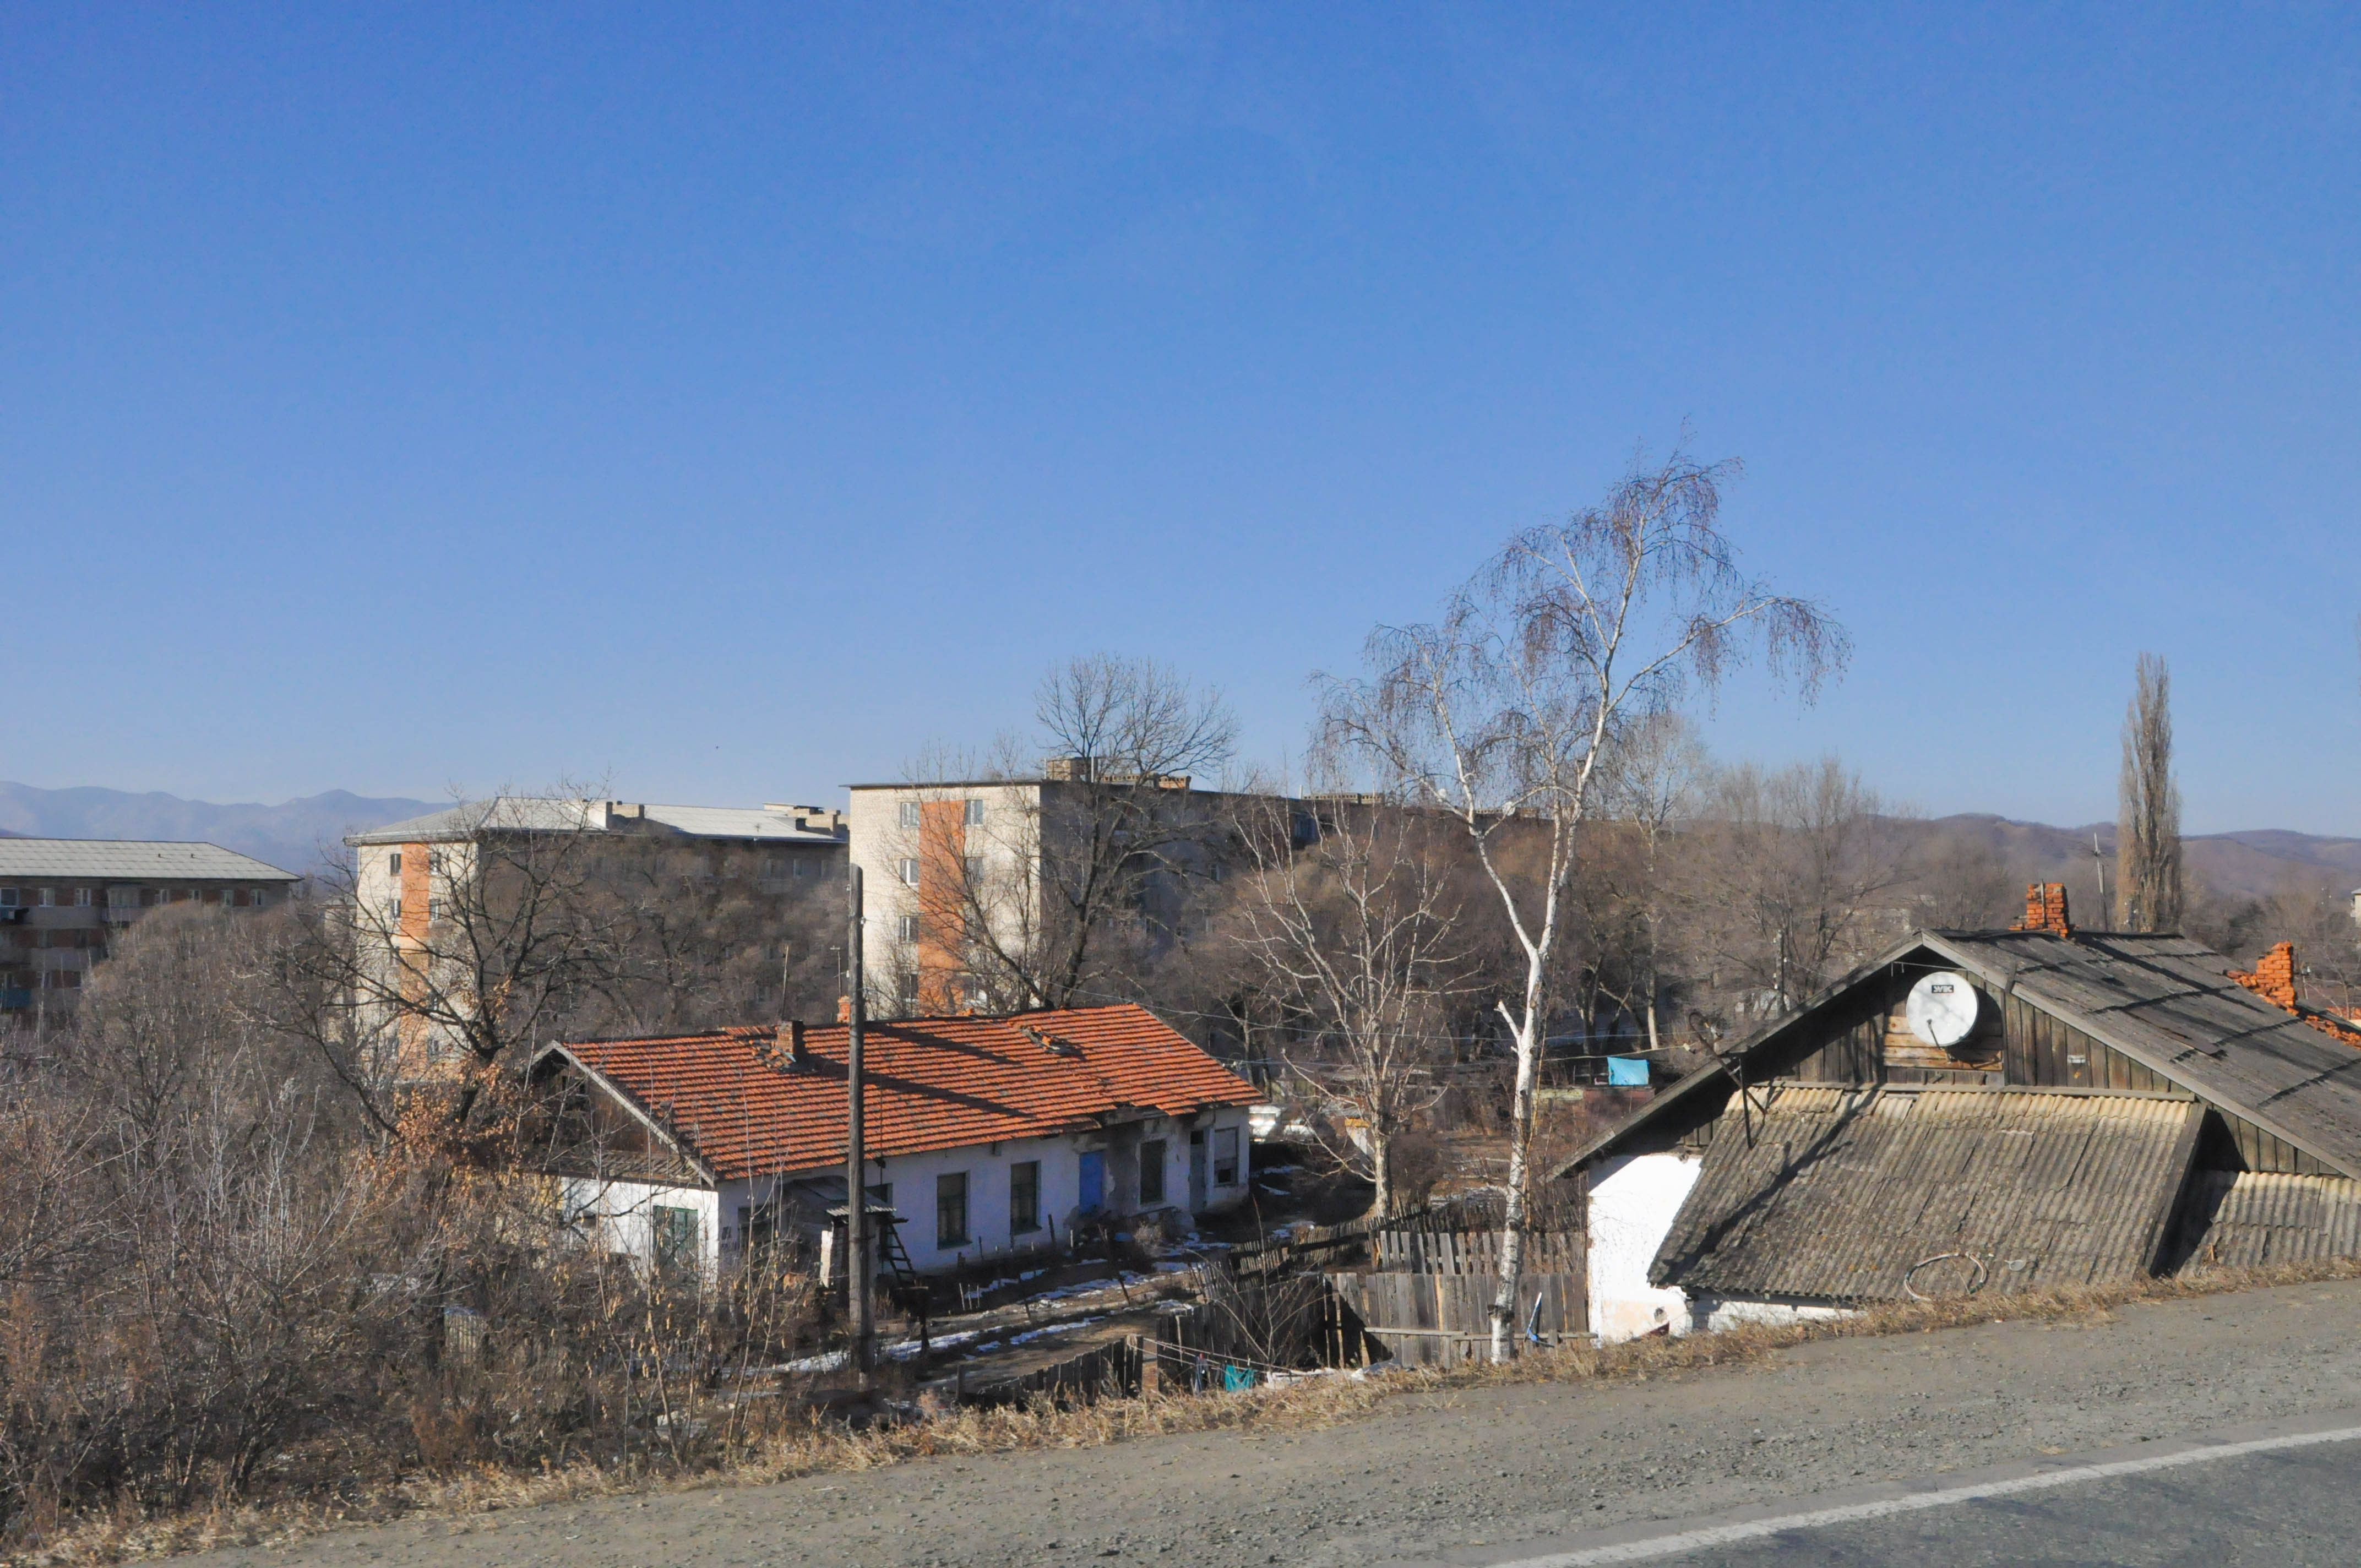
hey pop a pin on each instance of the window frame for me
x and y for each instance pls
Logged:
(912, 815)
(1160, 1166)
(1225, 1138)
(1025, 1218)
(952, 1229)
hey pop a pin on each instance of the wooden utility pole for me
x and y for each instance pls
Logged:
(856, 1154)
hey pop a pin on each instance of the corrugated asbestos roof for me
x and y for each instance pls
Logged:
(933, 1083)
(2252, 1219)
(2161, 1000)
(2168, 1003)
(1842, 1191)
(23, 859)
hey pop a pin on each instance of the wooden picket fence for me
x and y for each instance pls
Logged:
(1441, 1320)
(1476, 1252)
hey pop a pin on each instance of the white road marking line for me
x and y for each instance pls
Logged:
(1754, 1530)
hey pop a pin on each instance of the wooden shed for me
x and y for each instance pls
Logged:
(1981, 1111)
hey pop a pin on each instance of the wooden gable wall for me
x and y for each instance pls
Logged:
(1861, 1038)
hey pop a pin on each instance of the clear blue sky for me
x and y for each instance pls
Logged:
(732, 399)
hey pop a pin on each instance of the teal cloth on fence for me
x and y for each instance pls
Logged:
(1236, 1377)
(1624, 1072)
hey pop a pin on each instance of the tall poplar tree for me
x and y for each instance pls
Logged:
(2147, 822)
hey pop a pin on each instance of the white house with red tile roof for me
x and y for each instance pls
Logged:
(985, 1134)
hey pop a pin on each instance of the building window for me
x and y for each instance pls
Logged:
(433, 862)
(950, 1210)
(393, 863)
(910, 814)
(393, 910)
(1025, 1196)
(799, 868)
(49, 897)
(974, 813)
(908, 990)
(1151, 1171)
(970, 868)
(227, 898)
(909, 873)
(82, 898)
(435, 909)
(907, 927)
(675, 1239)
(7, 898)
(123, 898)
(1226, 1156)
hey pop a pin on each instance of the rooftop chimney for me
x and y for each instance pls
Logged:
(792, 1046)
(2044, 908)
(2273, 976)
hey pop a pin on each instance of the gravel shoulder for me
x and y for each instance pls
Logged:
(1489, 1465)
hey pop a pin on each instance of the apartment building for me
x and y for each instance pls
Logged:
(742, 881)
(948, 865)
(62, 901)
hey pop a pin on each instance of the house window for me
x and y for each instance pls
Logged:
(970, 868)
(123, 898)
(1151, 1171)
(974, 813)
(950, 1210)
(393, 910)
(7, 898)
(393, 863)
(908, 990)
(910, 814)
(1025, 1196)
(82, 898)
(908, 925)
(910, 873)
(675, 1239)
(1226, 1156)
(49, 897)
(433, 862)
(227, 898)
(799, 868)
(435, 909)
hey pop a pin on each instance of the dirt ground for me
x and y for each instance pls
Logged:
(1487, 1465)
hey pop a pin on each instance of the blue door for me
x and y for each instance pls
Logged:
(1093, 1182)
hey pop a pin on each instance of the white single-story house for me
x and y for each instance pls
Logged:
(985, 1135)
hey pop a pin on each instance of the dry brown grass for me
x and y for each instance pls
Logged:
(1308, 1405)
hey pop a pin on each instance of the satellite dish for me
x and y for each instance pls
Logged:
(1943, 1008)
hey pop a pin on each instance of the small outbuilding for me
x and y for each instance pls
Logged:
(985, 1135)
(1982, 1113)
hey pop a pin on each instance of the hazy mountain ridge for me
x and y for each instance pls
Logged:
(293, 834)
(2250, 863)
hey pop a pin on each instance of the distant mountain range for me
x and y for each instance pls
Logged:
(2250, 864)
(293, 834)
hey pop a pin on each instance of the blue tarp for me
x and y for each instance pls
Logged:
(1627, 1072)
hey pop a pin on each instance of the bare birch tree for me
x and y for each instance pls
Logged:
(2147, 824)
(1504, 711)
(1350, 923)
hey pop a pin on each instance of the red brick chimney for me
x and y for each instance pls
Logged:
(2044, 908)
(792, 1050)
(2273, 976)
(844, 1010)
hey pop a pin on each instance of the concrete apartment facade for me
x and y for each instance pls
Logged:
(941, 859)
(409, 877)
(62, 901)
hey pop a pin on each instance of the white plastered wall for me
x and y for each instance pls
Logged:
(620, 1216)
(1633, 1199)
(1710, 1314)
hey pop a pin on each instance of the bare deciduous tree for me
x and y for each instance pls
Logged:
(1084, 880)
(1799, 873)
(1504, 711)
(2147, 826)
(1350, 926)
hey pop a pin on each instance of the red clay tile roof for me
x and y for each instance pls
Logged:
(933, 1083)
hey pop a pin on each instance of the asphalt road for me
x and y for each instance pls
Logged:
(1497, 1475)
(2286, 1494)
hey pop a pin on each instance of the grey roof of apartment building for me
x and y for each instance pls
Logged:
(524, 814)
(132, 859)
